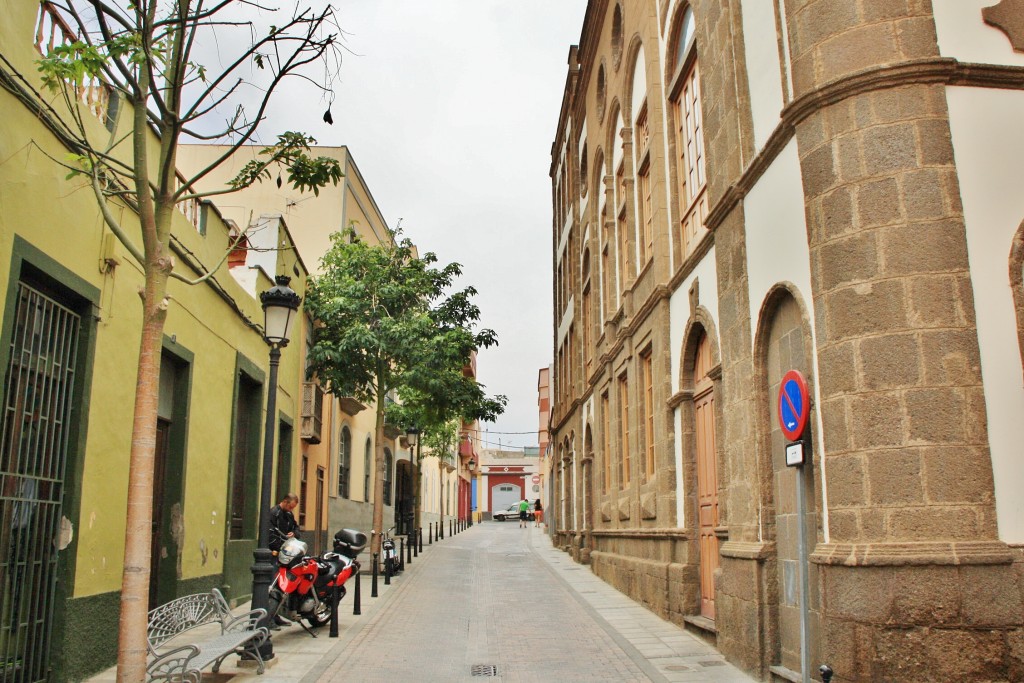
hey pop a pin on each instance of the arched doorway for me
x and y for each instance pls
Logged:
(784, 344)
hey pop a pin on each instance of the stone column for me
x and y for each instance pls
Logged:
(913, 572)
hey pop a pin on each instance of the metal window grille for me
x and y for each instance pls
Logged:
(34, 433)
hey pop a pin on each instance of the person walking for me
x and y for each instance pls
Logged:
(538, 513)
(524, 510)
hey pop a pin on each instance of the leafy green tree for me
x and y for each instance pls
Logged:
(455, 399)
(387, 324)
(144, 54)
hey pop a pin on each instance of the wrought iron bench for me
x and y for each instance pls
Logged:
(176, 655)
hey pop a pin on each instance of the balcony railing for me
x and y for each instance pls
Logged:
(53, 31)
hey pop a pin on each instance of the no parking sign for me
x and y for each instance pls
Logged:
(794, 404)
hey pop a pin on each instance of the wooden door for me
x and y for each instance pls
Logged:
(707, 477)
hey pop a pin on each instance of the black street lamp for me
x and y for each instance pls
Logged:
(412, 435)
(280, 304)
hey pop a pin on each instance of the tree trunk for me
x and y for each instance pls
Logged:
(132, 651)
(378, 483)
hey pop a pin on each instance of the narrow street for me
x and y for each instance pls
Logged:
(499, 595)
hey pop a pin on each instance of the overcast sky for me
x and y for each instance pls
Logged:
(449, 108)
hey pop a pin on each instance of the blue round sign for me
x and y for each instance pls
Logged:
(794, 404)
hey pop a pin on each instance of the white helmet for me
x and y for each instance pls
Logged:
(291, 553)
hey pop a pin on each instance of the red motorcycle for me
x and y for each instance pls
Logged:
(303, 586)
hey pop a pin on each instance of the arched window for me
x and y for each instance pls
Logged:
(389, 466)
(617, 37)
(1017, 285)
(344, 462)
(688, 137)
(642, 161)
(624, 257)
(587, 314)
(584, 180)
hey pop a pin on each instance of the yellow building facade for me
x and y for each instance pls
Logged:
(70, 321)
(334, 476)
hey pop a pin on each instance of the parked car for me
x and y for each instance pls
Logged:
(511, 512)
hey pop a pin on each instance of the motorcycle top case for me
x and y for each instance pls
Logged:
(349, 542)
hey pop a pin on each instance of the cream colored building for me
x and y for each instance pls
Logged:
(748, 187)
(333, 475)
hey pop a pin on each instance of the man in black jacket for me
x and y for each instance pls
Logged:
(282, 527)
(282, 522)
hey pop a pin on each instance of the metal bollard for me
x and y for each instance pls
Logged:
(373, 585)
(826, 673)
(357, 605)
(408, 548)
(418, 547)
(335, 599)
(430, 533)
(450, 527)
(387, 572)
(401, 555)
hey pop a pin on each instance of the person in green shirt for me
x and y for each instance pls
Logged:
(524, 510)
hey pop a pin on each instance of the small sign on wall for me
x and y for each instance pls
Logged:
(795, 454)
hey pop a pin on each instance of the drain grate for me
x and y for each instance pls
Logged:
(484, 670)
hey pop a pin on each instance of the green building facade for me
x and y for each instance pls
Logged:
(70, 321)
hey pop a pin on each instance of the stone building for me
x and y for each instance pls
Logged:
(743, 188)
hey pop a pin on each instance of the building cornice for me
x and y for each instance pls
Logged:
(935, 70)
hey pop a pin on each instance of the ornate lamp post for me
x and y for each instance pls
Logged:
(412, 435)
(280, 304)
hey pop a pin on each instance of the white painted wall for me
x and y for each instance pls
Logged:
(677, 421)
(988, 143)
(777, 252)
(964, 35)
(760, 42)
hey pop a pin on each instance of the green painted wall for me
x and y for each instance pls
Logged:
(57, 223)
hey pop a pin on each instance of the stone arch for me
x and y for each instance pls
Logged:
(1017, 285)
(633, 53)
(783, 316)
(588, 476)
(672, 63)
(703, 478)
(618, 20)
(612, 139)
(699, 318)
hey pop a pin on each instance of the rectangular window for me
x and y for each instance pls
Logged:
(648, 407)
(587, 323)
(689, 139)
(606, 433)
(646, 214)
(624, 460)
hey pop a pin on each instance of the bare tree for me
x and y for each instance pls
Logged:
(144, 55)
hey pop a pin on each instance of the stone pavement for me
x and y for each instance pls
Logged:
(497, 596)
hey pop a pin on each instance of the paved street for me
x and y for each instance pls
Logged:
(498, 595)
(494, 595)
